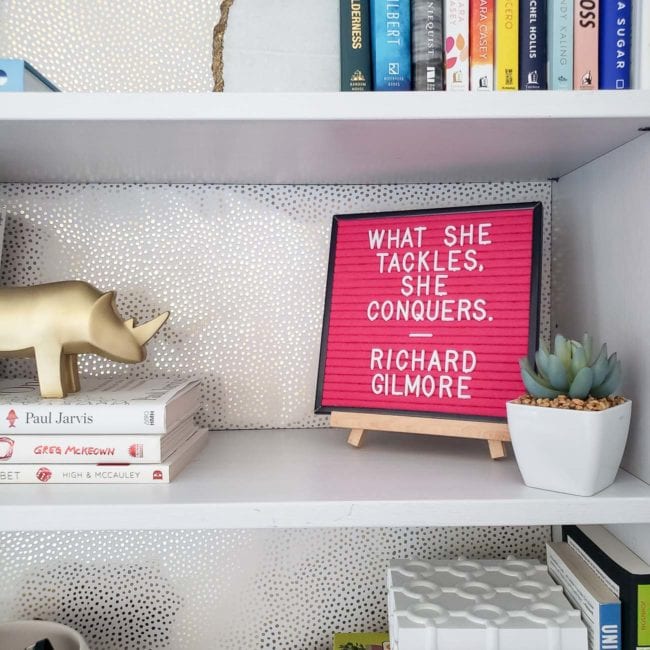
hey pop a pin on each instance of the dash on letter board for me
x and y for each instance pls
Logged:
(429, 312)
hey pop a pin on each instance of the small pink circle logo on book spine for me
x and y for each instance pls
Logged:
(44, 474)
(6, 448)
(11, 418)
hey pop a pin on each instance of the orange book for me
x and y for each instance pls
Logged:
(585, 45)
(481, 44)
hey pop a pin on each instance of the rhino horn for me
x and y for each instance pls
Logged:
(144, 332)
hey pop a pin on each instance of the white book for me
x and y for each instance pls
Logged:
(111, 406)
(456, 41)
(599, 607)
(107, 472)
(641, 44)
(88, 448)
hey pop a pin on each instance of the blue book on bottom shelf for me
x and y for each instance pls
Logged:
(17, 75)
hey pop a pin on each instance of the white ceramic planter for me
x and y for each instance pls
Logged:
(577, 452)
(21, 634)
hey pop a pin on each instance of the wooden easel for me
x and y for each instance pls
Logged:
(495, 433)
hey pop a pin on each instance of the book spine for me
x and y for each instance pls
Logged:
(12, 75)
(585, 45)
(609, 627)
(642, 614)
(456, 26)
(426, 45)
(602, 620)
(560, 44)
(532, 45)
(641, 44)
(481, 43)
(506, 29)
(356, 52)
(390, 26)
(82, 473)
(47, 418)
(615, 44)
(80, 449)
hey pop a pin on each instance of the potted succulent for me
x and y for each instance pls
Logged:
(569, 432)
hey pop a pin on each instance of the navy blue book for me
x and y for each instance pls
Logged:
(533, 50)
(390, 29)
(614, 44)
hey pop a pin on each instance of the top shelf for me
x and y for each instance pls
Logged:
(311, 137)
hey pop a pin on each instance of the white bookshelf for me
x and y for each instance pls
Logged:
(311, 137)
(311, 478)
(306, 478)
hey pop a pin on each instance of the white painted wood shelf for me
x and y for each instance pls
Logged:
(311, 137)
(312, 478)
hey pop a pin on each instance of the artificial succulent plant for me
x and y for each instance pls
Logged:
(569, 370)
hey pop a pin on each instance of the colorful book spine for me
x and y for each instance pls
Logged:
(532, 45)
(506, 29)
(105, 472)
(585, 45)
(426, 45)
(641, 44)
(17, 75)
(560, 44)
(390, 27)
(615, 43)
(456, 26)
(481, 43)
(356, 52)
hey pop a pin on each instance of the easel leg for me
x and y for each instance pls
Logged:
(356, 437)
(497, 449)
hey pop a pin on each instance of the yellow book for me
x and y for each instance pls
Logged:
(506, 30)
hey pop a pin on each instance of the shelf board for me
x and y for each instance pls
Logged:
(312, 478)
(311, 137)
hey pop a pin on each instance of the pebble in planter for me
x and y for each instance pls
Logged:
(569, 432)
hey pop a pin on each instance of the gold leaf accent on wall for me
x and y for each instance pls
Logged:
(218, 35)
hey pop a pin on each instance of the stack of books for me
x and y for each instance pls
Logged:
(494, 44)
(114, 431)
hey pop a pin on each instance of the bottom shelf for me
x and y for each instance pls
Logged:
(293, 478)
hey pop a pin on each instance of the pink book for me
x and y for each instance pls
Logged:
(585, 45)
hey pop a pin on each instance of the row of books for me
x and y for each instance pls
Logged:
(115, 431)
(494, 44)
(605, 583)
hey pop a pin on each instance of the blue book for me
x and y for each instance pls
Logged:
(390, 29)
(614, 44)
(560, 44)
(532, 45)
(17, 75)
